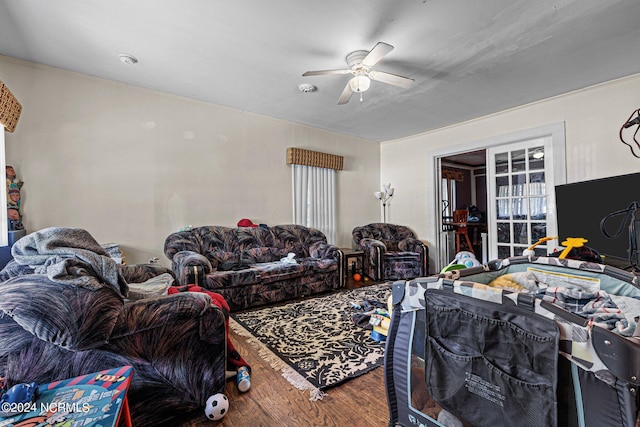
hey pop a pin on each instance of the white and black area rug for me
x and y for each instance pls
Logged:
(315, 342)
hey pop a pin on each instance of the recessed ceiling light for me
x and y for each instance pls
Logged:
(125, 58)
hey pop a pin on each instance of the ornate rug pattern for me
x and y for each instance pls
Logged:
(314, 342)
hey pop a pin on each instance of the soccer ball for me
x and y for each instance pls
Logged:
(217, 407)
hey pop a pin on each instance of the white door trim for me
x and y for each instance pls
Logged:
(555, 130)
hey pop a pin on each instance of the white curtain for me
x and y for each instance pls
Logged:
(314, 200)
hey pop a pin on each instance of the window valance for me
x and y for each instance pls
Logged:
(300, 156)
(10, 108)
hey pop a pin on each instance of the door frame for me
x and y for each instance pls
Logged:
(557, 154)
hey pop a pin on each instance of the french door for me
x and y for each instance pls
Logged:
(521, 191)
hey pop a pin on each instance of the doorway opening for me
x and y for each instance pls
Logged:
(514, 178)
(464, 188)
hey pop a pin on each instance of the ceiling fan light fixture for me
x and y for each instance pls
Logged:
(360, 82)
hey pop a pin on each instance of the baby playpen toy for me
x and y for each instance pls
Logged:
(524, 341)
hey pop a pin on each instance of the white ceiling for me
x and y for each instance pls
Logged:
(469, 58)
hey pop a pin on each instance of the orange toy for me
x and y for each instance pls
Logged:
(570, 243)
(357, 277)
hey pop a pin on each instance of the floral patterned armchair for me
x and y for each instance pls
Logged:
(391, 251)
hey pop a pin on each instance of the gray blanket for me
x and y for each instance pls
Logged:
(69, 256)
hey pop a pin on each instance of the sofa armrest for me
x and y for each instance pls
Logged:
(368, 244)
(411, 244)
(374, 251)
(72, 317)
(164, 315)
(179, 340)
(324, 250)
(417, 246)
(184, 263)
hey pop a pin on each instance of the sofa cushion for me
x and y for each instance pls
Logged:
(261, 255)
(391, 245)
(229, 278)
(223, 260)
(278, 271)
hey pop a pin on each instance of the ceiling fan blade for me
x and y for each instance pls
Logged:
(392, 79)
(346, 95)
(376, 54)
(325, 72)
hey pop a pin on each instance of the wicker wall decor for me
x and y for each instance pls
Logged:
(10, 108)
(300, 156)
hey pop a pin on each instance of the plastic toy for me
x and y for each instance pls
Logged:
(243, 379)
(18, 394)
(380, 321)
(468, 259)
(570, 243)
(217, 407)
(530, 250)
(357, 277)
(463, 259)
(573, 248)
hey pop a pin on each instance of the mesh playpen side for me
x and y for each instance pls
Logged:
(524, 341)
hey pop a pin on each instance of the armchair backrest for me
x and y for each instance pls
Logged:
(389, 234)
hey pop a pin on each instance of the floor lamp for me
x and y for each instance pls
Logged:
(384, 196)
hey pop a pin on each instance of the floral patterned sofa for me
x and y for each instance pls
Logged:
(391, 251)
(244, 264)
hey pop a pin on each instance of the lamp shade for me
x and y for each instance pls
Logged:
(360, 82)
(378, 194)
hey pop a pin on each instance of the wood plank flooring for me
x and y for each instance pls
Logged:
(272, 401)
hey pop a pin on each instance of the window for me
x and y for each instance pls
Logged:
(314, 198)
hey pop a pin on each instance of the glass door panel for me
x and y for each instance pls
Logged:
(521, 192)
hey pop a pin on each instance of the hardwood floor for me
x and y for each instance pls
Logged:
(272, 401)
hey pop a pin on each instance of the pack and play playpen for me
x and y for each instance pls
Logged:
(524, 341)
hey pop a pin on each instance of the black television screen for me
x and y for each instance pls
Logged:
(581, 206)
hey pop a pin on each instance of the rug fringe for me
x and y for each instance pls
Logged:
(290, 374)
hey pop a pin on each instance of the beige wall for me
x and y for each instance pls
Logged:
(132, 165)
(592, 119)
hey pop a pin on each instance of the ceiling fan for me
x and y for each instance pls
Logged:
(360, 64)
